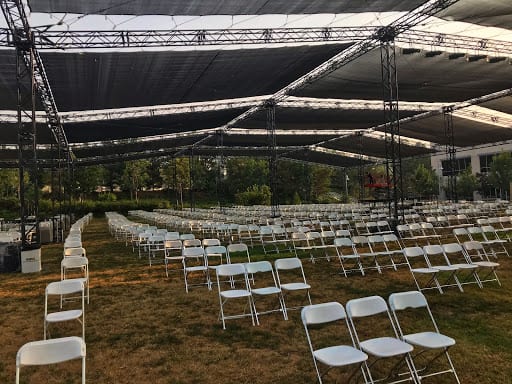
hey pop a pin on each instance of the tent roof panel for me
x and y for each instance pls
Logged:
(420, 78)
(87, 81)
(216, 7)
(493, 13)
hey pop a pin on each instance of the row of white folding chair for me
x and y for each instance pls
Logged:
(289, 278)
(484, 234)
(382, 251)
(433, 261)
(212, 248)
(419, 233)
(366, 346)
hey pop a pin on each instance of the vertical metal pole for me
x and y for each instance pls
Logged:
(220, 169)
(191, 177)
(360, 170)
(450, 153)
(272, 157)
(392, 124)
(175, 181)
(27, 155)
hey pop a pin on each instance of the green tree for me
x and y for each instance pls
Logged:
(176, 176)
(425, 181)
(500, 173)
(242, 173)
(467, 183)
(135, 176)
(9, 182)
(87, 179)
(320, 181)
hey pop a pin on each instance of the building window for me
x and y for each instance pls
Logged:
(460, 165)
(485, 163)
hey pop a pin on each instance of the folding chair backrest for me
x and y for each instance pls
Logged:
(230, 270)
(366, 306)
(413, 252)
(343, 242)
(452, 248)
(191, 243)
(322, 313)
(193, 252)
(172, 236)
(64, 287)
(51, 351)
(287, 264)
(259, 266)
(210, 242)
(404, 300)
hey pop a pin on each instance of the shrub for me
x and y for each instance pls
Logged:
(255, 195)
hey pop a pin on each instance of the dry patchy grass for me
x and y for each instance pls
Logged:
(142, 327)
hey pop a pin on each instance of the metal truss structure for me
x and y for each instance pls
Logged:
(450, 154)
(392, 123)
(272, 157)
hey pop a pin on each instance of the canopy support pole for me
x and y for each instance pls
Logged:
(451, 152)
(392, 123)
(270, 106)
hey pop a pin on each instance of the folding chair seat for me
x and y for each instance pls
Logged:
(71, 264)
(173, 253)
(346, 254)
(430, 233)
(156, 245)
(237, 251)
(195, 262)
(345, 224)
(360, 228)
(431, 343)
(476, 253)
(436, 258)
(363, 250)
(418, 265)
(62, 290)
(328, 354)
(291, 278)
(53, 351)
(404, 233)
(264, 284)
(231, 273)
(372, 228)
(457, 257)
(376, 335)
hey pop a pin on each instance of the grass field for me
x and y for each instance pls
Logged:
(142, 327)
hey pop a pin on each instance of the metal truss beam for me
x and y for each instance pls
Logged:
(69, 39)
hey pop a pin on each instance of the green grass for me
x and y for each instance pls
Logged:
(142, 327)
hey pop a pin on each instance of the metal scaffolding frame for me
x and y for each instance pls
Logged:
(451, 152)
(270, 107)
(392, 123)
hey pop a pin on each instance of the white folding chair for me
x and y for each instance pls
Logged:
(432, 343)
(173, 250)
(238, 250)
(52, 351)
(264, 284)
(346, 254)
(291, 278)
(194, 261)
(216, 251)
(62, 289)
(436, 258)
(457, 257)
(156, 245)
(232, 272)
(418, 266)
(332, 355)
(73, 263)
(380, 342)
(477, 254)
